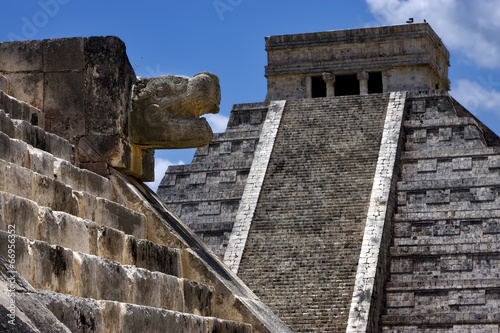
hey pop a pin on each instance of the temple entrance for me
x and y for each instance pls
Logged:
(375, 85)
(346, 85)
(318, 87)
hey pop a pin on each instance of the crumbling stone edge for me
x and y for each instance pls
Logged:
(253, 186)
(368, 288)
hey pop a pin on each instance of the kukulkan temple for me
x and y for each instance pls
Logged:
(359, 196)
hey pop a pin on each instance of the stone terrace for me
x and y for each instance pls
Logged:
(444, 259)
(302, 250)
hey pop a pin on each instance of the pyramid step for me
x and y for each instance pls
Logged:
(46, 191)
(63, 229)
(59, 269)
(88, 315)
(21, 110)
(35, 136)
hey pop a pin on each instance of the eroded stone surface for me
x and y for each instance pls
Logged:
(166, 110)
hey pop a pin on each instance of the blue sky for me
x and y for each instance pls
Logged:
(226, 37)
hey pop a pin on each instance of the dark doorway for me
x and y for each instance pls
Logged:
(318, 87)
(346, 85)
(375, 83)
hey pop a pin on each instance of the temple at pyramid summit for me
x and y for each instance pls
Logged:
(359, 196)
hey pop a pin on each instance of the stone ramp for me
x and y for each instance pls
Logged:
(304, 240)
(444, 255)
(206, 193)
(101, 250)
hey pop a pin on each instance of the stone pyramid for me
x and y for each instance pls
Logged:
(359, 196)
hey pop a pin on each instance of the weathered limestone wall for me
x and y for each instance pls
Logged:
(304, 241)
(444, 255)
(292, 58)
(82, 86)
(206, 193)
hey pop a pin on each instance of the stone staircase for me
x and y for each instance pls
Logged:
(445, 255)
(305, 237)
(102, 254)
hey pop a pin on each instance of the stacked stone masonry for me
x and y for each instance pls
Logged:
(206, 193)
(97, 254)
(303, 246)
(444, 255)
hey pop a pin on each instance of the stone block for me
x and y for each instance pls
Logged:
(467, 297)
(19, 111)
(66, 230)
(198, 298)
(82, 180)
(41, 162)
(18, 152)
(21, 213)
(6, 125)
(154, 257)
(22, 56)
(111, 244)
(481, 328)
(111, 76)
(471, 132)
(198, 178)
(159, 232)
(401, 265)
(80, 315)
(456, 263)
(493, 161)
(20, 258)
(228, 176)
(480, 194)
(210, 208)
(215, 325)
(418, 106)
(461, 163)
(101, 279)
(59, 147)
(96, 185)
(87, 205)
(24, 131)
(445, 133)
(40, 139)
(437, 196)
(155, 289)
(447, 228)
(4, 84)
(64, 106)
(491, 226)
(420, 136)
(63, 54)
(27, 87)
(427, 166)
(112, 215)
(129, 318)
(402, 299)
(53, 268)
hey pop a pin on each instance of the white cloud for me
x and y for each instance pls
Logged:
(218, 122)
(477, 96)
(469, 27)
(161, 165)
